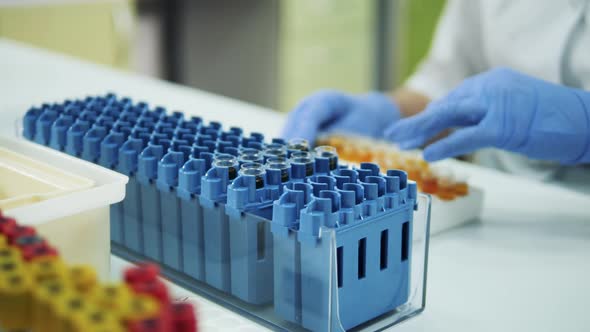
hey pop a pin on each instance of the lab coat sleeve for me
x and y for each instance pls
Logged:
(455, 53)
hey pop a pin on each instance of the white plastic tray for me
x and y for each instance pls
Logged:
(75, 215)
(461, 210)
(24, 181)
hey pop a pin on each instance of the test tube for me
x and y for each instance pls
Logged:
(49, 267)
(274, 150)
(255, 169)
(249, 155)
(281, 164)
(342, 145)
(97, 319)
(303, 157)
(412, 167)
(381, 159)
(380, 150)
(363, 150)
(111, 296)
(390, 158)
(44, 295)
(300, 144)
(446, 183)
(83, 278)
(226, 160)
(347, 152)
(335, 140)
(69, 309)
(139, 307)
(461, 187)
(15, 300)
(322, 140)
(429, 182)
(326, 151)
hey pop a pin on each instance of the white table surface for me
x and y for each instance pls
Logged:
(524, 266)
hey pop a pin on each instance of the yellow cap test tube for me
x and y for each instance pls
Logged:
(83, 278)
(46, 295)
(15, 300)
(99, 320)
(70, 312)
(140, 307)
(48, 267)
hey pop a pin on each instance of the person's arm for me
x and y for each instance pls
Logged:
(508, 110)
(410, 102)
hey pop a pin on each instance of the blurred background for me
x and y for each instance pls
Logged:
(268, 52)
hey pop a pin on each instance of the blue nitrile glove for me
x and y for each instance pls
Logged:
(332, 111)
(508, 110)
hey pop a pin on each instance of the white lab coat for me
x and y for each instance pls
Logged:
(548, 39)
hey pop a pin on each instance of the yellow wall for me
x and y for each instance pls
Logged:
(97, 31)
(324, 44)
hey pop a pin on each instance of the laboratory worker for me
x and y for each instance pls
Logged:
(510, 76)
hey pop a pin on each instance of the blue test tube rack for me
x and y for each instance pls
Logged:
(369, 217)
(249, 209)
(328, 247)
(216, 226)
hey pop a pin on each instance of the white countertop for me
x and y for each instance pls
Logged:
(523, 267)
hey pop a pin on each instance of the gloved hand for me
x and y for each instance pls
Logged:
(508, 110)
(332, 111)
